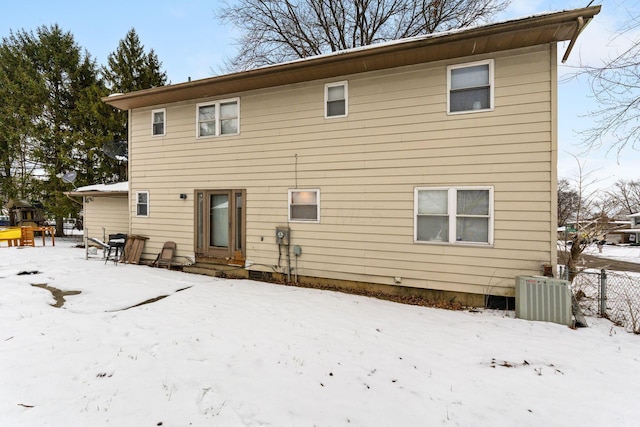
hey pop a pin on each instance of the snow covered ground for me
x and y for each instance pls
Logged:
(220, 352)
(622, 289)
(617, 252)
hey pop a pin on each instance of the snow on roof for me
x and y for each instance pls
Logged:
(412, 39)
(106, 188)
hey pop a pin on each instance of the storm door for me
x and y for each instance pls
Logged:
(220, 224)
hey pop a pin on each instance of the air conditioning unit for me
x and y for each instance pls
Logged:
(543, 298)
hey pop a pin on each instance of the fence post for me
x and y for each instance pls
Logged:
(603, 293)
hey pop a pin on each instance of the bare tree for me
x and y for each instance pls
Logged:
(624, 198)
(568, 201)
(589, 219)
(275, 31)
(616, 87)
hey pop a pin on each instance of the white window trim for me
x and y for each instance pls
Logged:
(451, 209)
(217, 123)
(312, 221)
(491, 86)
(136, 204)
(164, 121)
(344, 83)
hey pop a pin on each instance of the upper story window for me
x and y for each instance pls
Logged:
(142, 203)
(470, 87)
(304, 205)
(218, 118)
(158, 122)
(454, 215)
(336, 96)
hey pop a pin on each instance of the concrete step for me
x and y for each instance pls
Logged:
(206, 271)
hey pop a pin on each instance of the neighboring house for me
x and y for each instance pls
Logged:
(612, 230)
(424, 166)
(105, 209)
(632, 235)
(618, 232)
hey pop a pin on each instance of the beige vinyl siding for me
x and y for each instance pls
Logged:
(397, 136)
(104, 215)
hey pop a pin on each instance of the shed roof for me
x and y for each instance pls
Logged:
(18, 204)
(118, 188)
(524, 32)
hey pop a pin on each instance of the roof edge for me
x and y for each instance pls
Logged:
(124, 101)
(95, 193)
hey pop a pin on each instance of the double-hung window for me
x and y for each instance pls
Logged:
(158, 122)
(304, 205)
(218, 118)
(229, 115)
(336, 100)
(142, 203)
(470, 87)
(454, 215)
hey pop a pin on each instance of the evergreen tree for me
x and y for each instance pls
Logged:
(56, 115)
(20, 92)
(128, 69)
(52, 119)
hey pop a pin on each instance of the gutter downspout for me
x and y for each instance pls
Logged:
(70, 197)
(581, 26)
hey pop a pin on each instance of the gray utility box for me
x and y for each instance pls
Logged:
(543, 298)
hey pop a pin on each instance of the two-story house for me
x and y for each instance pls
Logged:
(423, 166)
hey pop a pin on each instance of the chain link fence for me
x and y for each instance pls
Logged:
(613, 295)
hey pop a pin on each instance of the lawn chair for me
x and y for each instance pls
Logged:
(116, 247)
(165, 256)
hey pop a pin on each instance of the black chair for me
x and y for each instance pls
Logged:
(116, 247)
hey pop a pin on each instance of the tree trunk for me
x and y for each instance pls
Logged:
(59, 227)
(574, 256)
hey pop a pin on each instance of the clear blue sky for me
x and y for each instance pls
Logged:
(190, 42)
